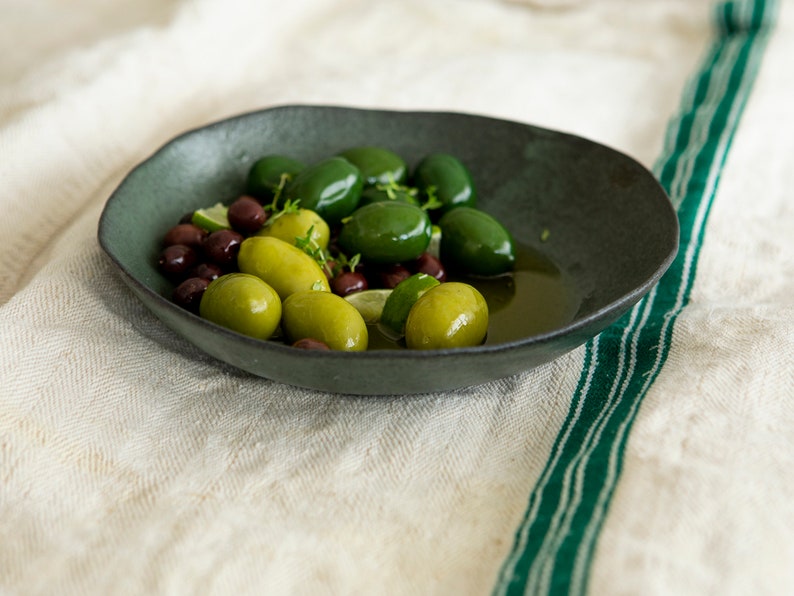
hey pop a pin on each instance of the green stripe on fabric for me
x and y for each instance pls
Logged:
(554, 545)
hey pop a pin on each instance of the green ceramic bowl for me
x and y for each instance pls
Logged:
(595, 231)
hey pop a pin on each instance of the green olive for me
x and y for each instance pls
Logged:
(265, 175)
(386, 232)
(282, 265)
(324, 317)
(290, 225)
(450, 315)
(331, 187)
(449, 178)
(377, 165)
(242, 303)
(474, 242)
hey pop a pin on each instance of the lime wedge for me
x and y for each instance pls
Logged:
(369, 303)
(402, 298)
(212, 218)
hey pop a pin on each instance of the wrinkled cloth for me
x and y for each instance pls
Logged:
(132, 463)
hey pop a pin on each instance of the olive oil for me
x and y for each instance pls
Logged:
(535, 298)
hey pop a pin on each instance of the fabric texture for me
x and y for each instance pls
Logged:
(655, 459)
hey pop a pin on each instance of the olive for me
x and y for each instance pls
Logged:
(185, 233)
(375, 194)
(450, 179)
(450, 315)
(389, 276)
(221, 247)
(308, 343)
(349, 282)
(177, 259)
(246, 215)
(386, 232)
(331, 187)
(324, 317)
(265, 174)
(282, 265)
(427, 263)
(474, 242)
(302, 223)
(377, 165)
(188, 294)
(242, 303)
(208, 271)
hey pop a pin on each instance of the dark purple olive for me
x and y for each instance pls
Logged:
(188, 294)
(186, 218)
(349, 282)
(221, 247)
(184, 233)
(208, 271)
(391, 275)
(175, 260)
(246, 215)
(307, 343)
(430, 265)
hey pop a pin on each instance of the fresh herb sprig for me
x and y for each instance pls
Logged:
(283, 180)
(392, 188)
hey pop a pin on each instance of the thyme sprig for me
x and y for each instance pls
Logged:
(278, 191)
(309, 245)
(392, 188)
(332, 265)
(290, 206)
(432, 201)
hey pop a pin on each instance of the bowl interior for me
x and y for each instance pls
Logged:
(595, 214)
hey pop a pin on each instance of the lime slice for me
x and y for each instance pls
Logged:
(212, 218)
(402, 298)
(369, 303)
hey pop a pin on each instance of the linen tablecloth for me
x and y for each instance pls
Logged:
(655, 459)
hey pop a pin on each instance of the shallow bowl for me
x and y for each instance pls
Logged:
(593, 215)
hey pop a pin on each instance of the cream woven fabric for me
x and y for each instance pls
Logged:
(131, 463)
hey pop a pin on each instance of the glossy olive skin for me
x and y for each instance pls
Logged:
(265, 174)
(386, 232)
(450, 315)
(474, 242)
(324, 317)
(283, 266)
(332, 188)
(242, 303)
(296, 224)
(450, 177)
(373, 194)
(377, 165)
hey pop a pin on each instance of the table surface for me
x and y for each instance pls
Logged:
(655, 459)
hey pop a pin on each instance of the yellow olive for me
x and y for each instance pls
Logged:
(282, 265)
(293, 225)
(450, 315)
(324, 317)
(242, 303)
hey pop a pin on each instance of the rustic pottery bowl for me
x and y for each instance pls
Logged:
(592, 223)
